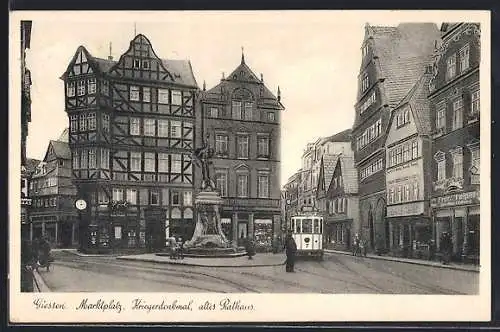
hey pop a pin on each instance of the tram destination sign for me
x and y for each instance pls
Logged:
(471, 197)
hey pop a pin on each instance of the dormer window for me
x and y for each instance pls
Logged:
(403, 117)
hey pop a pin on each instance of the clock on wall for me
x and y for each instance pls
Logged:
(81, 204)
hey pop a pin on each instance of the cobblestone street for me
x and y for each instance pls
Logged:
(336, 274)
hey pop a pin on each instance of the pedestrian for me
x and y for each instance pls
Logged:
(357, 243)
(173, 247)
(446, 247)
(291, 251)
(250, 247)
(181, 248)
(45, 253)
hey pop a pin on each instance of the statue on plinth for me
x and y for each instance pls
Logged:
(203, 159)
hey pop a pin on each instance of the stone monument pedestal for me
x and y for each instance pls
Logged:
(208, 239)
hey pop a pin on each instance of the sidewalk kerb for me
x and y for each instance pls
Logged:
(125, 258)
(395, 259)
(41, 283)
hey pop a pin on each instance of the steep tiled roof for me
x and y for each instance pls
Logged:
(31, 164)
(419, 104)
(402, 54)
(349, 174)
(329, 162)
(343, 136)
(61, 149)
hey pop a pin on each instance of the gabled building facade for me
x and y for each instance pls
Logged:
(291, 198)
(53, 193)
(455, 114)
(242, 119)
(393, 59)
(341, 215)
(408, 181)
(131, 135)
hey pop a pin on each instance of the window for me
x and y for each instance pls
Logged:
(149, 162)
(368, 102)
(415, 191)
(263, 146)
(132, 196)
(458, 106)
(242, 185)
(105, 88)
(70, 89)
(458, 167)
(174, 198)
(403, 117)
(399, 195)
(92, 158)
(91, 85)
(149, 127)
(134, 93)
(91, 121)
(213, 112)
(451, 67)
(371, 169)
(135, 125)
(248, 111)
(162, 128)
(83, 122)
(474, 109)
(440, 159)
(73, 123)
(176, 97)
(105, 158)
(464, 58)
(81, 88)
(102, 198)
(221, 143)
(188, 198)
(414, 150)
(406, 152)
(270, 116)
(440, 117)
(117, 194)
(146, 95)
(137, 63)
(391, 195)
(365, 50)
(145, 64)
(242, 146)
(407, 193)
(175, 129)
(237, 110)
(105, 123)
(154, 197)
(84, 159)
(263, 185)
(163, 162)
(475, 163)
(365, 83)
(370, 134)
(135, 161)
(76, 160)
(176, 163)
(221, 183)
(163, 96)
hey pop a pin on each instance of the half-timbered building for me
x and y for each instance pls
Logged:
(242, 119)
(131, 138)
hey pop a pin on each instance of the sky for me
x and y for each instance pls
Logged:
(313, 57)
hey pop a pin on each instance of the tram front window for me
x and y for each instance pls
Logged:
(297, 226)
(307, 226)
(317, 222)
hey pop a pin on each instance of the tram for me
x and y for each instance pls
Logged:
(307, 231)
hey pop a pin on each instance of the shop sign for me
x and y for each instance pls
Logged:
(471, 197)
(410, 209)
(404, 167)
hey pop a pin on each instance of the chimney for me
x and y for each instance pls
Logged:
(110, 56)
(261, 77)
